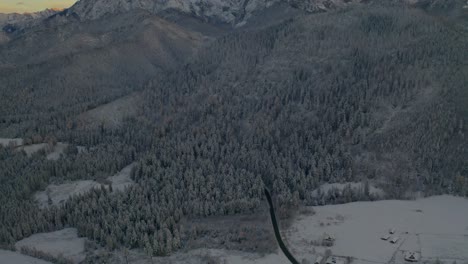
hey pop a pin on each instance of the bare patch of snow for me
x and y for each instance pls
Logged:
(61, 193)
(7, 141)
(31, 149)
(57, 150)
(11, 257)
(436, 246)
(358, 235)
(64, 242)
(53, 151)
(122, 179)
(81, 149)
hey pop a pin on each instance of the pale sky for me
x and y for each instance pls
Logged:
(21, 6)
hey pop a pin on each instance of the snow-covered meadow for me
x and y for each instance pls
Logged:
(436, 227)
(61, 193)
(64, 243)
(11, 257)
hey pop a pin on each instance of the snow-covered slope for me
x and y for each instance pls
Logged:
(226, 11)
(61, 243)
(59, 194)
(7, 256)
(235, 12)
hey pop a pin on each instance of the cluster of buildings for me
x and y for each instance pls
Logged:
(328, 241)
(330, 260)
(410, 256)
(390, 236)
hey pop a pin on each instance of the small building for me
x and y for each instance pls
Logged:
(394, 240)
(335, 260)
(318, 260)
(331, 260)
(391, 231)
(385, 237)
(412, 256)
(328, 240)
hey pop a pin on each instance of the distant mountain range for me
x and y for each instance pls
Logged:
(224, 11)
(25, 19)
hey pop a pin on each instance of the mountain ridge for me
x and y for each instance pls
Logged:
(230, 12)
(24, 19)
(225, 11)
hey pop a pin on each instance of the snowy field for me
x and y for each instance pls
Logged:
(64, 242)
(10, 257)
(122, 179)
(53, 154)
(436, 227)
(58, 150)
(62, 192)
(6, 141)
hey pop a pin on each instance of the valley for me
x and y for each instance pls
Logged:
(146, 132)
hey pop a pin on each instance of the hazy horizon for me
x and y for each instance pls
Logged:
(25, 6)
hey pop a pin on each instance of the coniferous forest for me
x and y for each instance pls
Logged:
(372, 93)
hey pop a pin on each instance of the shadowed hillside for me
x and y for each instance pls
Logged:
(55, 72)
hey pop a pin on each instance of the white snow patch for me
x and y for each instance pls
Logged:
(53, 152)
(57, 150)
(62, 192)
(445, 246)
(31, 149)
(7, 141)
(122, 179)
(11, 257)
(64, 242)
(81, 149)
(358, 227)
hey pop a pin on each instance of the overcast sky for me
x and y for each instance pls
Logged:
(21, 6)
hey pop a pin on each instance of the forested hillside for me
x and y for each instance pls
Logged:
(368, 93)
(51, 74)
